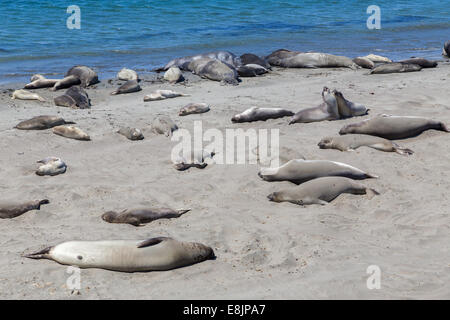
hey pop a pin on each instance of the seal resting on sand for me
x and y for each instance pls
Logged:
(194, 108)
(131, 133)
(71, 132)
(320, 191)
(347, 108)
(42, 123)
(163, 125)
(12, 210)
(299, 171)
(86, 75)
(275, 57)
(163, 94)
(424, 63)
(75, 97)
(155, 254)
(182, 63)
(51, 166)
(26, 95)
(215, 70)
(137, 217)
(315, 60)
(350, 142)
(364, 62)
(39, 81)
(250, 58)
(394, 127)
(261, 114)
(395, 67)
(128, 87)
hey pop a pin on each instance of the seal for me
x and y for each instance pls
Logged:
(66, 82)
(250, 58)
(395, 67)
(275, 57)
(71, 132)
(75, 97)
(182, 63)
(347, 108)
(155, 254)
(42, 123)
(51, 166)
(39, 81)
(128, 87)
(163, 94)
(138, 217)
(261, 114)
(320, 191)
(163, 125)
(315, 60)
(394, 127)
(299, 171)
(173, 75)
(446, 50)
(131, 133)
(364, 62)
(86, 75)
(12, 210)
(424, 63)
(26, 95)
(194, 108)
(251, 70)
(377, 59)
(127, 74)
(327, 110)
(350, 142)
(215, 70)
(196, 159)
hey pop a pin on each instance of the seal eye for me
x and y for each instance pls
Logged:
(79, 257)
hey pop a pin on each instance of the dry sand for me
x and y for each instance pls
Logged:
(264, 250)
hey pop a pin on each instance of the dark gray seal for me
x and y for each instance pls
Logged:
(137, 217)
(250, 58)
(12, 210)
(215, 70)
(42, 123)
(364, 62)
(75, 97)
(424, 63)
(395, 67)
(86, 75)
(183, 63)
(327, 110)
(128, 87)
(275, 57)
(446, 50)
(251, 70)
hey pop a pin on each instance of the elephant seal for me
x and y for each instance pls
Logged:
(71, 132)
(364, 62)
(250, 58)
(74, 97)
(347, 108)
(163, 94)
(320, 191)
(127, 74)
(26, 95)
(446, 50)
(299, 171)
(394, 127)
(350, 142)
(424, 63)
(131, 133)
(42, 123)
(214, 70)
(86, 75)
(328, 110)
(12, 210)
(173, 75)
(395, 67)
(155, 254)
(137, 217)
(261, 114)
(316, 60)
(39, 81)
(163, 125)
(377, 59)
(183, 63)
(128, 87)
(275, 57)
(66, 82)
(194, 108)
(196, 159)
(251, 70)
(51, 166)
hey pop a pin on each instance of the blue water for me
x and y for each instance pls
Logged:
(145, 34)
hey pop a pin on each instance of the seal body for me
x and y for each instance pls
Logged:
(377, 59)
(394, 127)
(131, 133)
(194, 108)
(163, 94)
(128, 87)
(86, 75)
(182, 63)
(39, 81)
(66, 82)
(71, 132)
(275, 57)
(75, 97)
(320, 191)
(41, 123)
(196, 159)
(347, 108)
(127, 74)
(51, 166)
(215, 70)
(261, 114)
(250, 58)
(299, 171)
(155, 254)
(26, 95)
(163, 125)
(350, 142)
(424, 63)
(364, 62)
(315, 60)
(446, 50)
(251, 70)
(12, 210)
(328, 110)
(137, 217)
(395, 67)
(173, 75)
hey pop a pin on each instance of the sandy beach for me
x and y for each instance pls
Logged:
(264, 250)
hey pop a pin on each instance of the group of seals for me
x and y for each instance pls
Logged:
(77, 75)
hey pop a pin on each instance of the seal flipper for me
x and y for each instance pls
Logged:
(43, 254)
(152, 242)
(183, 211)
(41, 202)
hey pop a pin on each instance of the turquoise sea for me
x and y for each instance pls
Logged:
(145, 34)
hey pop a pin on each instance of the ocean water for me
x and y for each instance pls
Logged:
(34, 37)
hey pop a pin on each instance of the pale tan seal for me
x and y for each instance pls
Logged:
(350, 142)
(51, 166)
(299, 171)
(320, 191)
(194, 108)
(261, 114)
(71, 132)
(377, 59)
(327, 110)
(128, 87)
(26, 95)
(140, 216)
(39, 81)
(155, 254)
(163, 94)
(315, 60)
(12, 210)
(394, 127)
(131, 133)
(42, 123)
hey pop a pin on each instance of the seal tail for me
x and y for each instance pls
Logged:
(41, 202)
(43, 254)
(403, 151)
(183, 211)
(41, 99)
(371, 176)
(371, 193)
